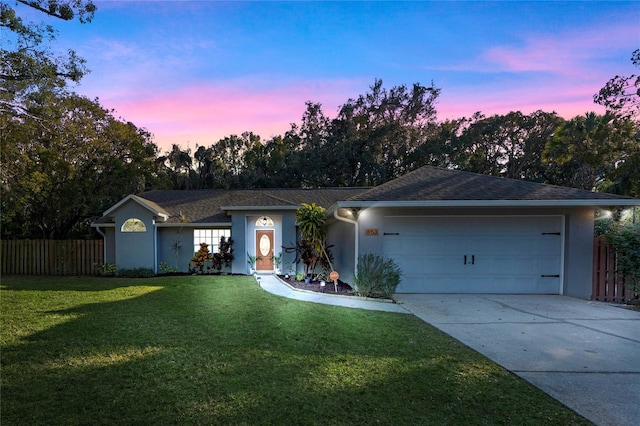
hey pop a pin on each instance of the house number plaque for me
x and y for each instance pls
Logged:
(371, 232)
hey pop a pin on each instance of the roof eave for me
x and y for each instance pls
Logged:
(136, 200)
(490, 203)
(257, 208)
(193, 224)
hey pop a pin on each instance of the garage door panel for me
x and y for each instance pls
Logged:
(437, 283)
(476, 254)
(460, 284)
(438, 264)
(411, 245)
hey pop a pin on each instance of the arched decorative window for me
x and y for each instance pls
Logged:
(264, 221)
(133, 225)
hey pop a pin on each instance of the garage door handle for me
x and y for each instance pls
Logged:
(550, 276)
(465, 259)
(473, 259)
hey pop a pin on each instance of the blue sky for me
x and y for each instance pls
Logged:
(192, 72)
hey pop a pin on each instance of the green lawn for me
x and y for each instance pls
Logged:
(219, 350)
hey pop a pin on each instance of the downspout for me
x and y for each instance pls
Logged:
(155, 247)
(357, 248)
(104, 245)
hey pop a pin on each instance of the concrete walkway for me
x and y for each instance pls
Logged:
(585, 354)
(273, 285)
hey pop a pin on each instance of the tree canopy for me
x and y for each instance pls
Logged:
(621, 95)
(27, 62)
(57, 177)
(66, 158)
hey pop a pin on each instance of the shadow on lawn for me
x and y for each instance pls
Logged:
(199, 352)
(46, 283)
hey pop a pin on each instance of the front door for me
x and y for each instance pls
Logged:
(264, 250)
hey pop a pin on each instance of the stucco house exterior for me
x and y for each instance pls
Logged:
(449, 231)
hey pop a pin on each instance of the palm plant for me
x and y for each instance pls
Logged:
(310, 218)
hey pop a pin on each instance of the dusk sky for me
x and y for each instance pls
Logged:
(192, 72)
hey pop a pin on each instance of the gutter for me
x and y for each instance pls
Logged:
(357, 246)
(492, 203)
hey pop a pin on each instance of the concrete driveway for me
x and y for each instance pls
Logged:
(585, 354)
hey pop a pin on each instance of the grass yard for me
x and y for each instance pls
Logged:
(219, 350)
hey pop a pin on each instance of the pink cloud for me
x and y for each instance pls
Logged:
(568, 100)
(203, 114)
(567, 54)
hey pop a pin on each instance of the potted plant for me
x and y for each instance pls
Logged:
(277, 261)
(251, 260)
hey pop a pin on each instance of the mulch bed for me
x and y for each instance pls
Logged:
(344, 289)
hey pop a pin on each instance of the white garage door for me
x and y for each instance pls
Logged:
(477, 254)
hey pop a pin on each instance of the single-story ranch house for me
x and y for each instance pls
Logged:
(449, 231)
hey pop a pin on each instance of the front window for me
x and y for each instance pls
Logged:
(133, 225)
(209, 236)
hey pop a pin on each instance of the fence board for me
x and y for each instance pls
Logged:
(608, 284)
(50, 257)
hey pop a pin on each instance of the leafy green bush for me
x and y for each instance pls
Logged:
(377, 276)
(625, 238)
(106, 269)
(166, 269)
(136, 273)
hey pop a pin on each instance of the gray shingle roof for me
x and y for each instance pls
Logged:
(204, 206)
(436, 184)
(422, 186)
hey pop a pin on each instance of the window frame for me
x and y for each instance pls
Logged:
(133, 225)
(210, 236)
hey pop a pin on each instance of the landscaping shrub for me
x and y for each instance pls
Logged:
(205, 262)
(377, 276)
(106, 269)
(166, 269)
(136, 273)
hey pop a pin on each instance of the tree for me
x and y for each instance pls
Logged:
(621, 95)
(64, 9)
(589, 151)
(508, 146)
(27, 65)
(439, 147)
(66, 167)
(624, 178)
(375, 134)
(179, 164)
(310, 143)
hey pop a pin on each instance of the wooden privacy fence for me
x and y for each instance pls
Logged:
(51, 257)
(608, 284)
